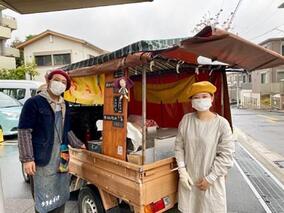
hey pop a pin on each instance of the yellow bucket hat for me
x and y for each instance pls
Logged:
(200, 87)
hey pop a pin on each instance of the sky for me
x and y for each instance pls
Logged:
(113, 27)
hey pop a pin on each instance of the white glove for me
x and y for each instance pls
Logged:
(185, 179)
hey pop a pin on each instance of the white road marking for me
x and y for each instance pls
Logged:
(271, 119)
(257, 195)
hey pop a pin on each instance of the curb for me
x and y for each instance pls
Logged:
(261, 153)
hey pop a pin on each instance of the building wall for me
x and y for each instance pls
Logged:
(6, 29)
(276, 46)
(256, 79)
(7, 62)
(56, 45)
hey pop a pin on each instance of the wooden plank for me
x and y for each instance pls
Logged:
(126, 169)
(109, 201)
(85, 155)
(152, 190)
(117, 185)
(114, 138)
(159, 163)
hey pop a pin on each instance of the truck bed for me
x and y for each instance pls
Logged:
(139, 185)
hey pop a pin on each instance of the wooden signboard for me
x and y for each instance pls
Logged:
(115, 119)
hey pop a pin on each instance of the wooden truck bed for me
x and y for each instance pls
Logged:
(139, 185)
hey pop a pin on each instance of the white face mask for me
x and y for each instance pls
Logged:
(57, 87)
(202, 104)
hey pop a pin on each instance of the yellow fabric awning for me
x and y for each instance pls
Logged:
(165, 93)
(86, 90)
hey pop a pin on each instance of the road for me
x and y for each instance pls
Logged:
(17, 195)
(240, 196)
(265, 127)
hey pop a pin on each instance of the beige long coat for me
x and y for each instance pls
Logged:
(206, 148)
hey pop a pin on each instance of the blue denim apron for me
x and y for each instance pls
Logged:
(51, 189)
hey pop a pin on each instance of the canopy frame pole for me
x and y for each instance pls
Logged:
(144, 130)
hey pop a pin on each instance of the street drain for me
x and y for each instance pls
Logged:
(270, 191)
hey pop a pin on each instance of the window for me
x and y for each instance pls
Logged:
(263, 78)
(282, 49)
(280, 76)
(14, 92)
(61, 59)
(249, 78)
(33, 92)
(244, 78)
(6, 101)
(43, 60)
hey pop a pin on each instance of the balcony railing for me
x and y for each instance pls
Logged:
(7, 62)
(5, 32)
(272, 88)
(11, 52)
(8, 21)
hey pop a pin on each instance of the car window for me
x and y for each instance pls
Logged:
(33, 92)
(6, 101)
(17, 93)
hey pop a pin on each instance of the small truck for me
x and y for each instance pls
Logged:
(160, 72)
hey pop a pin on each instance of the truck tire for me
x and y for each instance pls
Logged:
(89, 200)
(25, 175)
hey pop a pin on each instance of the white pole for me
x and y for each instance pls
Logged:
(1, 196)
(144, 115)
(238, 84)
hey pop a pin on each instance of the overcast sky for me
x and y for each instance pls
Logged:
(113, 27)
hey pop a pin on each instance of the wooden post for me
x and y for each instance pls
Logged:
(144, 115)
(115, 122)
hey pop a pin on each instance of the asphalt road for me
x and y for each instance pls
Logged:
(265, 127)
(18, 197)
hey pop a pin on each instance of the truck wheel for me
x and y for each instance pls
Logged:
(89, 200)
(25, 175)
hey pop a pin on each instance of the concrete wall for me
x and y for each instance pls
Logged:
(7, 62)
(7, 24)
(56, 45)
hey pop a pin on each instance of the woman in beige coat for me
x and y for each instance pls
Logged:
(204, 153)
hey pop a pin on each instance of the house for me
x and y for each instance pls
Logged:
(261, 89)
(268, 84)
(7, 54)
(51, 50)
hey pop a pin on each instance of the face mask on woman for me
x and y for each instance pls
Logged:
(57, 87)
(202, 104)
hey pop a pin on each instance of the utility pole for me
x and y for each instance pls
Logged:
(233, 15)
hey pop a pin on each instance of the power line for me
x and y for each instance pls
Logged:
(271, 30)
(233, 15)
(264, 20)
